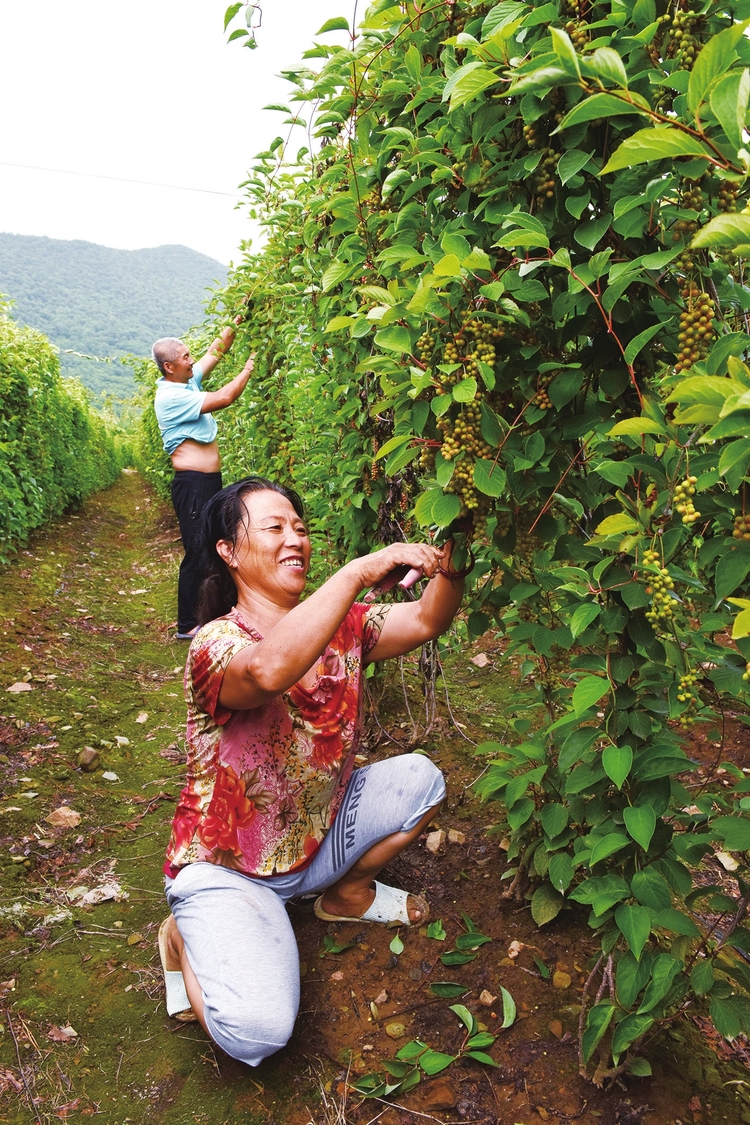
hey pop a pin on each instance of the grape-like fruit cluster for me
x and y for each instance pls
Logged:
(463, 435)
(662, 603)
(746, 673)
(426, 346)
(726, 200)
(683, 228)
(541, 398)
(579, 34)
(686, 694)
(692, 196)
(696, 328)
(683, 500)
(742, 528)
(682, 45)
(544, 176)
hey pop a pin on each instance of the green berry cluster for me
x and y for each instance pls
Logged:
(579, 34)
(686, 693)
(696, 328)
(662, 603)
(683, 500)
(541, 398)
(742, 528)
(746, 673)
(726, 200)
(426, 346)
(682, 46)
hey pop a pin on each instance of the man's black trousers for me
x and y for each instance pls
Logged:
(191, 491)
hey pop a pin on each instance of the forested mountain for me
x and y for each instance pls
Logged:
(104, 302)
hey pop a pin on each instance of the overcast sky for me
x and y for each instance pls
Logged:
(143, 90)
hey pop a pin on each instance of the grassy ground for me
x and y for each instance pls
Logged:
(87, 617)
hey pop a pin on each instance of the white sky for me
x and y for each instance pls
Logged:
(146, 90)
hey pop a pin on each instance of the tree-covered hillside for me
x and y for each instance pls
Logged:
(104, 302)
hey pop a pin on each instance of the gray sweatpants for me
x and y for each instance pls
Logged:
(237, 933)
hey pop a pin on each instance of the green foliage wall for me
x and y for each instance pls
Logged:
(55, 450)
(492, 307)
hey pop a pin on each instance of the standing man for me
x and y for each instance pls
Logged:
(184, 413)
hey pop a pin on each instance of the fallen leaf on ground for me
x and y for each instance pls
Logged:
(20, 686)
(434, 841)
(727, 861)
(481, 660)
(142, 717)
(64, 817)
(104, 893)
(134, 939)
(62, 1034)
(395, 1030)
(8, 1081)
(68, 1108)
(556, 1027)
(561, 979)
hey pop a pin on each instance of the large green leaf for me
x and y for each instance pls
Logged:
(654, 144)
(617, 761)
(468, 82)
(597, 1022)
(724, 232)
(717, 56)
(640, 822)
(734, 831)
(395, 338)
(589, 691)
(602, 105)
(630, 1029)
(729, 100)
(489, 478)
(634, 923)
(546, 904)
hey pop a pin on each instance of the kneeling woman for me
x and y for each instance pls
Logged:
(272, 809)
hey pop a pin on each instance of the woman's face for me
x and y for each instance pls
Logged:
(271, 553)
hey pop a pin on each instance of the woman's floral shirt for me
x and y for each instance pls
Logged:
(263, 786)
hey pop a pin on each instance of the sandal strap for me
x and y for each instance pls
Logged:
(389, 905)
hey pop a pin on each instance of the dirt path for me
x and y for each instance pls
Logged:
(86, 614)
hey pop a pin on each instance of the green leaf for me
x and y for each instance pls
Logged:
(617, 525)
(456, 245)
(734, 462)
(456, 957)
(436, 930)
(651, 889)
(489, 478)
(734, 831)
(729, 100)
(741, 625)
(716, 56)
(546, 904)
(480, 1056)
(465, 1016)
(589, 691)
(335, 274)
(337, 23)
(472, 940)
(640, 822)
(607, 846)
(445, 509)
(640, 1068)
(433, 1062)
(702, 977)
(570, 163)
(339, 322)
(654, 144)
(731, 571)
(634, 922)
(447, 989)
(638, 343)
(597, 1022)
(397, 945)
(677, 923)
(561, 871)
(466, 390)
(393, 443)
(726, 1017)
(467, 83)
(663, 971)
(394, 338)
(483, 1039)
(601, 106)
(636, 427)
(606, 63)
(554, 818)
(617, 761)
(630, 1029)
(230, 13)
(632, 976)
(448, 266)
(724, 232)
(565, 51)
(509, 1008)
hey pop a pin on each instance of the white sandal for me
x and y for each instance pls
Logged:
(178, 1004)
(389, 905)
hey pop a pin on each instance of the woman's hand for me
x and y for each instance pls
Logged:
(371, 569)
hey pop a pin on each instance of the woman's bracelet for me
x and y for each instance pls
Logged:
(450, 574)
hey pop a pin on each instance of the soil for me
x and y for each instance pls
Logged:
(87, 623)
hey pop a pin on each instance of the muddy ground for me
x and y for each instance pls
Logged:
(86, 627)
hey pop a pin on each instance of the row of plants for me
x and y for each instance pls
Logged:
(55, 449)
(502, 298)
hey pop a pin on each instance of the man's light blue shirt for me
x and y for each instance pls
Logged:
(178, 411)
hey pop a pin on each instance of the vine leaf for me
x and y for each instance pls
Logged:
(640, 822)
(589, 691)
(654, 144)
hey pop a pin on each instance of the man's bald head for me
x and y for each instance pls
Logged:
(166, 350)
